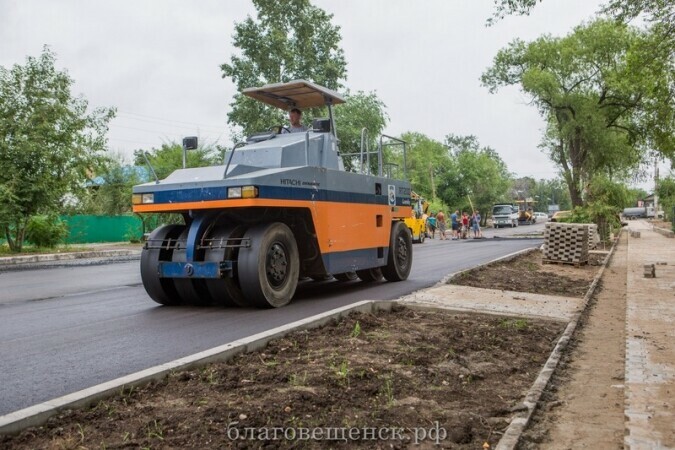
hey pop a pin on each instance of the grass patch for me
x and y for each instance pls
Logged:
(32, 250)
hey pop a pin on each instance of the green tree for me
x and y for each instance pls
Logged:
(552, 192)
(48, 142)
(601, 95)
(361, 110)
(169, 157)
(110, 194)
(660, 12)
(523, 187)
(634, 195)
(286, 41)
(476, 173)
(426, 161)
(606, 198)
(666, 193)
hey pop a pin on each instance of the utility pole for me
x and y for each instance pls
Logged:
(656, 186)
(433, 187)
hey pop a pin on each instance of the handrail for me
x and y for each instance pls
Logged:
(147, 161)
(307, 147)
(364, 133)
(227, 167)
(405, 172)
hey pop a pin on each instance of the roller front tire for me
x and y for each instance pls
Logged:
(269, 268)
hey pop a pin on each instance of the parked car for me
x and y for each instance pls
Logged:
(541, 217)
(560, 215)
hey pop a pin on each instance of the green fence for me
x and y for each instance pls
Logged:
(85, 229)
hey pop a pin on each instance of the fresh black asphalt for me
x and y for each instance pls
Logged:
(67, 327)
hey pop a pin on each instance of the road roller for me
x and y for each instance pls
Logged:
(279, 209)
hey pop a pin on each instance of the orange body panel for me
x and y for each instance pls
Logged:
(339, 226)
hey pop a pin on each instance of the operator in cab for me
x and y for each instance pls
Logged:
(295, 117)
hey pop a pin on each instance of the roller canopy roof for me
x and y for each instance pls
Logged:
(294, 94)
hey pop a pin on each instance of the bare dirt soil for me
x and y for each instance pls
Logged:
(661, 224)
(405, 369)
(528, 274)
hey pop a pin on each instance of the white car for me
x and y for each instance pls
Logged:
(541, 217)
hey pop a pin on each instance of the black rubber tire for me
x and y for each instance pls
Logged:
(370, 275)
(191, 291)
(226, 291)
(161, 290)
(400, 258)
(346, 276)
(270, 267)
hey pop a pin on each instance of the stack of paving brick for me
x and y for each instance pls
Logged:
(566, 243)
(593, 237)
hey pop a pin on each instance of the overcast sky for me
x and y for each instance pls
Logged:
(158, 62)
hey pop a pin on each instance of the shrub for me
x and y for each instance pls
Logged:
(46, 230)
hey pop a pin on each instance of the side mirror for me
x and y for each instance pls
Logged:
(190, 142)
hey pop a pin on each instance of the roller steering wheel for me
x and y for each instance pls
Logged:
(279, 129)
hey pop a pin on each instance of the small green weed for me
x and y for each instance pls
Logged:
(515, 324)
(341, 372)
(357, 330)
(295, 380)
(387, 389)
(155, 431)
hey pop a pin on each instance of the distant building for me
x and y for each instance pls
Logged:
(648, 201)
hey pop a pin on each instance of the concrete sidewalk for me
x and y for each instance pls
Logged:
(650, 341)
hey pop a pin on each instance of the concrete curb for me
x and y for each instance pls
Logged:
(14, 260)
(520, 421)
(665, 232)
(38, 414)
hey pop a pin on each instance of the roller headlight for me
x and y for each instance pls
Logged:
(234, 192)
(242, 192)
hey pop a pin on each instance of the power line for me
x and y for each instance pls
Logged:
(150, 143)
(146, 130)
(132, 141)
(148, 118)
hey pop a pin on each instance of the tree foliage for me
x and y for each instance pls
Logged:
(286, 41)
(657, 12)
(605, 100)
(169, 157)
(476, 176)
(49, 143)
(110, 192)
(666, 193)
(551, 192)
(427, 161)
(606, 199)
(361, 110)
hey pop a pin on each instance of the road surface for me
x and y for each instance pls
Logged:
(69, 326)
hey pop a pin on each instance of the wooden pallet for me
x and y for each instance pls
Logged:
(569, 263)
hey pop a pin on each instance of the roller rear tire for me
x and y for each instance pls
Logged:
(161, 290)
(400, 258)
(192, 291)
(226, 291)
